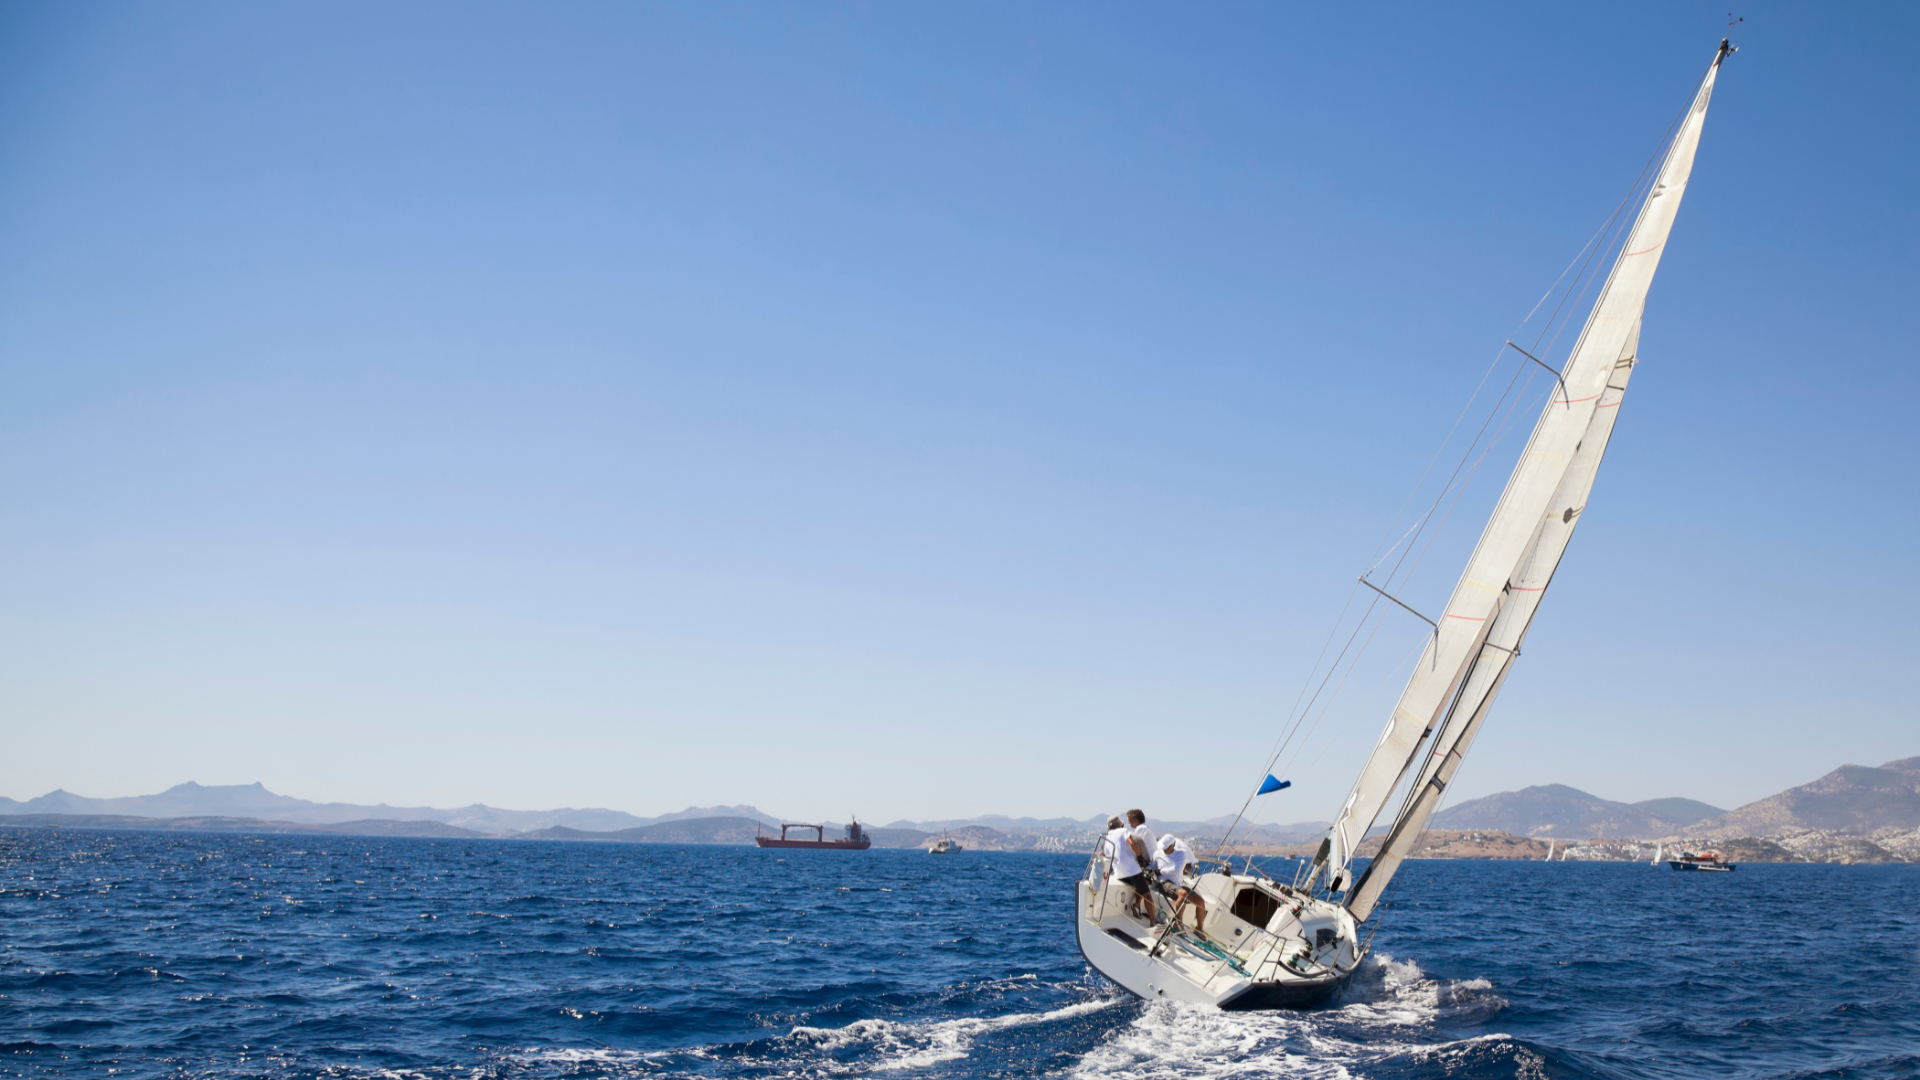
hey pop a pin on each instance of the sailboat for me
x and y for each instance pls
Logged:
(1273, 944)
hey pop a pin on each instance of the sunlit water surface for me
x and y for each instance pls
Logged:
(151, 954)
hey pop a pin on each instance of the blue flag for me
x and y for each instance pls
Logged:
(1270, 785)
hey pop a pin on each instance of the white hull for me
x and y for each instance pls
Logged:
(1236, 964)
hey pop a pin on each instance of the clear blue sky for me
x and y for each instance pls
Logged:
(917, 410)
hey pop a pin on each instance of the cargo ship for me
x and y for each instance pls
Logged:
(857, 838)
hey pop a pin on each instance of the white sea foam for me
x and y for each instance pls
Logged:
(911, 1046)
(1388, 1013)
(861, 1048)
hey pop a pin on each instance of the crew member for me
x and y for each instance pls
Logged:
(1171, 863)
(1146, 845)
(1129, 858)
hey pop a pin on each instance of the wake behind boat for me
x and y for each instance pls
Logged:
(1270, 944)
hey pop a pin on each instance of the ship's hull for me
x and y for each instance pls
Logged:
(1678, 865)
(832, 845)
(1130, 955)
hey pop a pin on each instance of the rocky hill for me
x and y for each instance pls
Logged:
(711, 830)
(215, 823)
(1850, 799)
(1559, 811)
(254, 801)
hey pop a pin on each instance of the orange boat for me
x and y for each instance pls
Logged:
(1701, 860)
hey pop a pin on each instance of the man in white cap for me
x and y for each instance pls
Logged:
(1171, 863)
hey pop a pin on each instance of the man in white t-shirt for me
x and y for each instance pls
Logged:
(1171, 863)
(1137, 824)
(1130, 857)
(1146, 845)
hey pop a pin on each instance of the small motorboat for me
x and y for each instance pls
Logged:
(1701, 860)
(944, 846)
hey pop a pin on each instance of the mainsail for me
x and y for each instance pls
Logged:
(1479, 634)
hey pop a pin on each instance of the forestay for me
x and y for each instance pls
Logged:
(1484, 621)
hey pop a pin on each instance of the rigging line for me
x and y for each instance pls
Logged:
(1396, 544)
(1506, 424)
(1659, 152)
(1335, 666)
(1364, 646)
(1328, 706)
(1577, 256)
(1301, 748)
(1589, 270)
(1385, 681)
(1440, 449)
(1281, 745)
(1467, 453)
(1611, 221)
(1593, 256)
(1664, 154)
(1285, 731)
(1228, 834)
(1297, 720)
(1622, 231)
(1331, 698)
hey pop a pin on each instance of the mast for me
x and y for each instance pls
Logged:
(1489, 669)
(1479, 635)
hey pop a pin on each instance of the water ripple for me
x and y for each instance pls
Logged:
(223, 956)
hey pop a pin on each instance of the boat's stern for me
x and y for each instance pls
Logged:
(1285, 960)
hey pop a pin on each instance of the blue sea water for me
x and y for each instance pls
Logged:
(215, 955)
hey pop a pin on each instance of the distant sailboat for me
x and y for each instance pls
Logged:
(1269, 944)
(1550, 844)
(1657, 849)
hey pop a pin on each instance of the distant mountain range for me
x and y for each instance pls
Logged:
(229, 803)
(1556, 810)
(255, 801)
(1850, 799)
